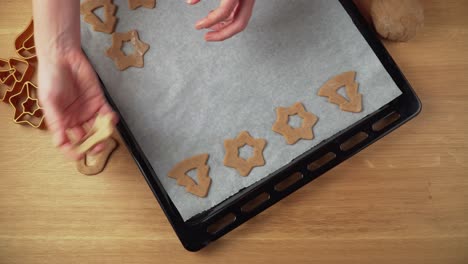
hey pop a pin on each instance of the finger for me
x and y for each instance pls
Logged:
(98, 148)
(221, 13)
(239, 24)
(219, 26)
(59, 137)
(224, 23)
(106, 109)
(75, 134)
(87, 125)
(193, 2)
(69, 151)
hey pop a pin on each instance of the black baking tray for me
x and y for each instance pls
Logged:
(200, 230)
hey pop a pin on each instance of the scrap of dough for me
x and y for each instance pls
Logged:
(134, 4)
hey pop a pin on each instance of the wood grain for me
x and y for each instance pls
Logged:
(402, 200)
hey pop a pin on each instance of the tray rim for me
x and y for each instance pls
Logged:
(193, 232)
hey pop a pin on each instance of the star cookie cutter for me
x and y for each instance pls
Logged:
(134, 4)
(232, 158)
(27, 108)
(20, 72)
(101, 130)
(347, 79)
(121, 60)
(180, 170)
(88, 6)
(24, 43)
(84, 166)
(292, 134)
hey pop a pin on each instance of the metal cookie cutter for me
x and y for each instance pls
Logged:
(20, 72)
(5, 70)
(7, 80)
(23, 70)
(27, 108)
(108, 25)
(24, 44)
(232, 158)
(179, 172)
(121, 60)
(134, 4)
(330, 90)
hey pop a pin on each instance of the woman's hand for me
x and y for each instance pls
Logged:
(71, 96)
(230, 18)
(69, 90)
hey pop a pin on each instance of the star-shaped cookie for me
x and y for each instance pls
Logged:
(232, 158)
(121, 60)
(292, 134)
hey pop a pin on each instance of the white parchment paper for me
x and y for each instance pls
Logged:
(192, 95)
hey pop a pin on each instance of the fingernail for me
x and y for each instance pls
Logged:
(189, 1)
(199, 24)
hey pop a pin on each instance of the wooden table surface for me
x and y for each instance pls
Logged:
(402, 200)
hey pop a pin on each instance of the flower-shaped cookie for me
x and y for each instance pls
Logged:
(108, 25)
(330, 90)
(134, 4)
(26, 105)
(292, 134)
(121, 60)
(233, 159)
(179, 172)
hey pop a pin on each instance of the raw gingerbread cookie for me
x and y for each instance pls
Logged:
(292, 134)
(330, 90)
(100, 159)
(101, 130)
(107, 26)
(134, 4)
(232, 158)
(179, 172)
(121, 60)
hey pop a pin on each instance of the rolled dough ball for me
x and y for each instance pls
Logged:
(397, 20)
